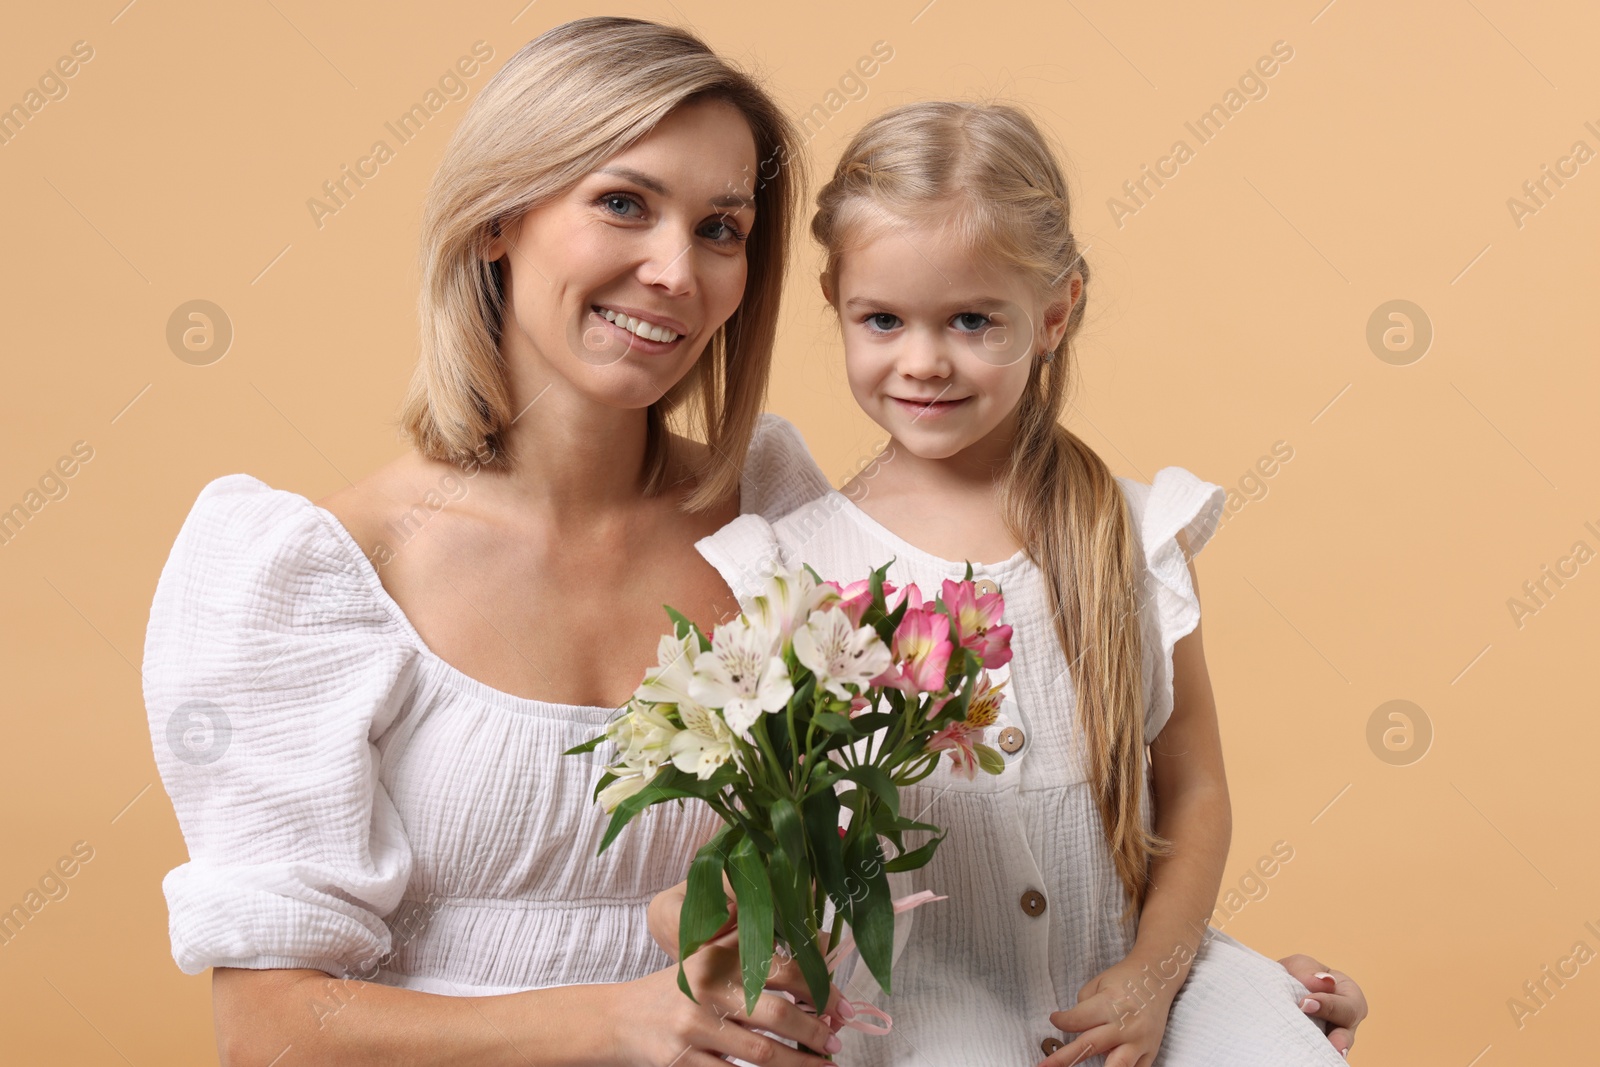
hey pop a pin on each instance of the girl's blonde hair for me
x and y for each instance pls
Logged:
(986, 171)
(566, 102)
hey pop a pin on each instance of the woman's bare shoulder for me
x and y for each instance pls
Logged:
(395, 498)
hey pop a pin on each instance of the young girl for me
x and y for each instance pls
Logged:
(1075, 926)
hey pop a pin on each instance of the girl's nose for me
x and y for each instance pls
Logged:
(923, 357)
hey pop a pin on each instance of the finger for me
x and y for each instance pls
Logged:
(1341, 1039)
(739, 1042)
(1346, 987)
(777, 1015)
(1100, 1039)
(1124, 1056)
(1300, 965)
(1340, 1011)
(1081, 1017)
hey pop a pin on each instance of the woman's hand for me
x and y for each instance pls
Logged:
(1335, 997)
(1109, 1021)
(656, 1024)
(666, 907)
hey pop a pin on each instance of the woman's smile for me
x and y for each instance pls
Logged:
(646, 333)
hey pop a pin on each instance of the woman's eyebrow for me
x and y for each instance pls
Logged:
(639, 177)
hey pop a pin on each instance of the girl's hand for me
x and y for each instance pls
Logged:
(1111, 1021)
(1335, 997)
(655, 1024)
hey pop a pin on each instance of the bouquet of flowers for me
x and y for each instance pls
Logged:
(819, 699)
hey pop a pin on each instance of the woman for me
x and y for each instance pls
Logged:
(381, 795)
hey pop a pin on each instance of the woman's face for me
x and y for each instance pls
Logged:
(616, 286)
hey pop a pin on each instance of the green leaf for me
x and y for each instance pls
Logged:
(754, 894)
(800, 699)
(872, 917)
(605, 779)
(821, 815)
(788, 829)
(705, 902)
(588, 746)
(664, 786)
(917, 857)
(968, 576)
(876, 780)
(683, 626)
(989, 761)
(833, 722)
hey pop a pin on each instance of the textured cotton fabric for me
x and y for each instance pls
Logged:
(978, 974)
(353, 803)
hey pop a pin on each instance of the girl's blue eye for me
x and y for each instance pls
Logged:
(882, 321)
(971, 321)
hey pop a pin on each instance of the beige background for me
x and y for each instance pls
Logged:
(1227, 314)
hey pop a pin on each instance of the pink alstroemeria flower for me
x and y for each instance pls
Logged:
(959, 738)
(856, 597)
(976, 622)
(922, 651)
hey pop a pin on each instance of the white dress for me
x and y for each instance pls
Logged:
(353, 803)
(1034, 898)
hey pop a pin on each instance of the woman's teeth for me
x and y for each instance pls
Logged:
(648, 330)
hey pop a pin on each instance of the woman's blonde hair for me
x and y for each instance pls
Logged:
(566, 102)
(987, 172)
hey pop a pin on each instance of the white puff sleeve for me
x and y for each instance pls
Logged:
(270, 669)
(779, 473)
(1174, 500)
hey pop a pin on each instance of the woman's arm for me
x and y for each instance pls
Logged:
(262, 1013)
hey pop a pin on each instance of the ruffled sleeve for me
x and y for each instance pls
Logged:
(270, 671)
(779, 473)
(1175, 500)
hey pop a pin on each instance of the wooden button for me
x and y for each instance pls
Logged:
(1033, 902)
(1051, 1045)
(984, 587)
(1010, 739)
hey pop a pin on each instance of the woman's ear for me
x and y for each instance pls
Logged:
(496, 247)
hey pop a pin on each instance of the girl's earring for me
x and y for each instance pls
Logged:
(1049, 355)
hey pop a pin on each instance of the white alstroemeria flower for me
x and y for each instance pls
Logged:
(840, 654)
(668, 681)
(704, 744)
(740, 676)
(643, 737)
(787, 602)
(624, 787)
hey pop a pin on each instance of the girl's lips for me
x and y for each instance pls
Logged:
(923, 410)
(633, 340)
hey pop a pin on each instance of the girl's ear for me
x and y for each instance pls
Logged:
(826, 282)
(1059, 311)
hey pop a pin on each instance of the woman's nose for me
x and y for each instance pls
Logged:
(671, 263)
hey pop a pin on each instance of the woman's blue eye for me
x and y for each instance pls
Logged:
(611, 201)
(723, 232)
(971, 321)
(882, 321)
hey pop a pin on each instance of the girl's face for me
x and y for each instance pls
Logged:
(938, 345)
(616, 286)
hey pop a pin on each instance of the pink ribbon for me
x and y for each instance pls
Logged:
(867, 1008)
